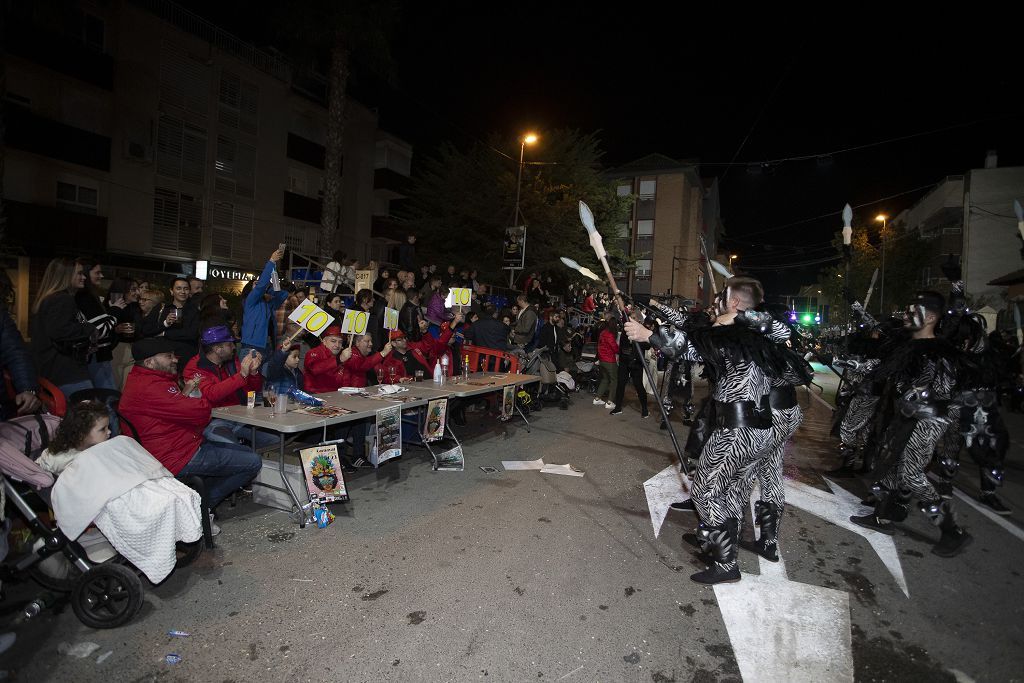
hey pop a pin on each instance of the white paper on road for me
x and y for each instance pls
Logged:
(565, 469)
(523, 464)
(666, 487)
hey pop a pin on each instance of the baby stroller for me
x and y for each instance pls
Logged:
(105, 590)
(538, 362)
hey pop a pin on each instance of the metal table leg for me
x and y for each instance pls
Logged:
(288, 485)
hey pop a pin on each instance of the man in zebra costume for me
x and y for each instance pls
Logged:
(981, 427)
(786, 418)
(923, 371)
(739, 361)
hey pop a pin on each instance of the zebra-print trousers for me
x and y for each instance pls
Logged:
(768, 469)
(853, 429)
(907, 474)
(717, 484)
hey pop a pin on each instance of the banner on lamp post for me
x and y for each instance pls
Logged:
(514, 250)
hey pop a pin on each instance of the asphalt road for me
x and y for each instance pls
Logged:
(516, 576)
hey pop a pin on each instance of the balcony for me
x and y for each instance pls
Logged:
(33, 133)
(41, 229)
(302, 207)
(395, 184)
(59, 52)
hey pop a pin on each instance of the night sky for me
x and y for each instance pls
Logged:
(697, 87)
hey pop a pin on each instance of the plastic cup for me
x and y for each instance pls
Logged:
(419, 375)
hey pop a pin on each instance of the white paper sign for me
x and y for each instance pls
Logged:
(390, 319)
(311, 317)
(364, 279)
(355, 322)
(460, 296)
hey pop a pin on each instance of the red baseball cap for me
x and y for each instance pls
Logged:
(397, 334)
(332, 331)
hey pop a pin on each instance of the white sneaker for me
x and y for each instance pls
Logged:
(598, 402)
(214, 529)
(609, 405)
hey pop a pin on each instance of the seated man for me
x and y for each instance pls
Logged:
(170, 424)
(323, 364)
(226, 381)
(404, 360)
(362, 361)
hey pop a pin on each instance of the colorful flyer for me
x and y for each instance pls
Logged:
(324, 479)
(389, 435)
(325, 411)
(437, 411)
(508, 402)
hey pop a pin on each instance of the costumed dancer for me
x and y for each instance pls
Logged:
(980, 427)
(923, 373)
(735, 357)
(786, 418)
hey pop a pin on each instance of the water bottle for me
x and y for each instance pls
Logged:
(444, 368)
(465, 368)
(438, 374)
(34, 608)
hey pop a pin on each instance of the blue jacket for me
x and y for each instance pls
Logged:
(284, 378)
(14, 357)
(257, 314)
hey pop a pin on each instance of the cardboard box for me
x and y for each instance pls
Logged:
(270, 474)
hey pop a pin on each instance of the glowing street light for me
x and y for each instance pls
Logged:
(882, 218)
(527, 139)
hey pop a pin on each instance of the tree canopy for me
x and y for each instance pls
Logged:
(906, 254)
(462, 201)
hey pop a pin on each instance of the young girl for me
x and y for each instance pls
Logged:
(86, 424)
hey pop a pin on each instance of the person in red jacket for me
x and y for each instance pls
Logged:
(608, 357)
(404, 360)
(353, 372)
(432, 349)
(170, 424)
(323, 364)
(225, 381)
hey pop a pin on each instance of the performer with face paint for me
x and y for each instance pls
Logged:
(740, 360)
(923, 372)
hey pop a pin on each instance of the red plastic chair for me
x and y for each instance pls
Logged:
(483, 359)
(53, 398)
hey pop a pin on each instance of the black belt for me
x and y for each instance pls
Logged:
(739, 414)
(782, 398)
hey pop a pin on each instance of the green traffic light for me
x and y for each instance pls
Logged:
(807, 317)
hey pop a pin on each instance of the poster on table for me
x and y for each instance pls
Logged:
(459, 297)
(355, 322)
(390, 319)
(325, 481)
(508, 402)
(311, 317)
(389, 435)
(514, 250)
(437, 412)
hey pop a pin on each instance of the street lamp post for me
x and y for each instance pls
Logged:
(732, 257)
(527, 139)
(881, 294)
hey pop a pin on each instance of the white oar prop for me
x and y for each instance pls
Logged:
(582, 270)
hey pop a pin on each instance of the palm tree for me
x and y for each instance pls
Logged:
(349, 30)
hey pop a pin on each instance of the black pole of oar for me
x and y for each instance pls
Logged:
(595, 241)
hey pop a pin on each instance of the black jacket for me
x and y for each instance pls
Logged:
(409, 320)
(489, 333)
(14, 356)
(56, 329)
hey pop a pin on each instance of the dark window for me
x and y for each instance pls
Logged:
(303, 208)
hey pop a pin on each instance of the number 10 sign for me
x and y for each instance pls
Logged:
(311, 317)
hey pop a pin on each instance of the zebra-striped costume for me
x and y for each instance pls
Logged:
(730, 452)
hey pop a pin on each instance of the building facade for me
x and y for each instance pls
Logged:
(141, 133)
(664, 230)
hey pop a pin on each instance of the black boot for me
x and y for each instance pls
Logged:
(723, 567)
(848, 455)
(954, 537)
(686, 505)
(886, 509)
(767, 516)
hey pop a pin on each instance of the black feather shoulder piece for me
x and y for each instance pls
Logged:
(735, 344)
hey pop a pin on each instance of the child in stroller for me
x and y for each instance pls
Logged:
(117, 485)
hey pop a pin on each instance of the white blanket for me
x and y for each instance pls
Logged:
(97, 475)
(141, 509)
(145, 523)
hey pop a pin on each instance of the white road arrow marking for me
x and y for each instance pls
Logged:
(837, 507)
(666, 487)
(782, 630)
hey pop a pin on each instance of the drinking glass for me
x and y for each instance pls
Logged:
(419, 375)
(380, 375)
(391, 373)
(270, 394)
